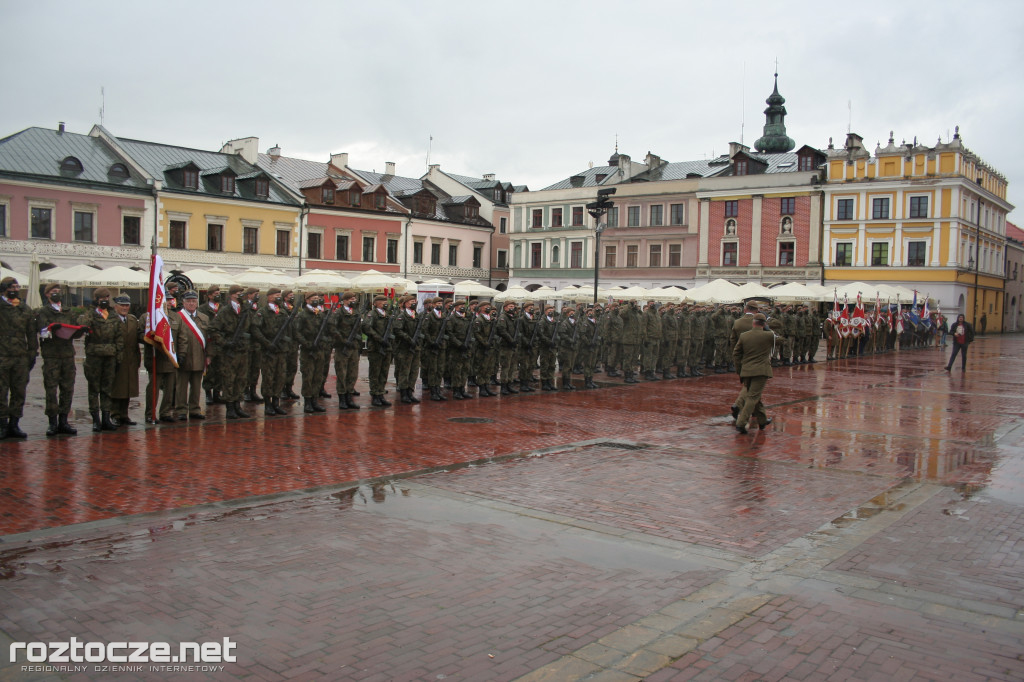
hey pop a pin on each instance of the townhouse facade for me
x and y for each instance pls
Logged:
(1013, 278)
(927, 218)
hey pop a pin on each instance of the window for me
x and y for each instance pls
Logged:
(314, 248)
(392, 251)
(83, 226)
(655, 256)
(118, 170)
(502, 259)
(538, 218)
(880, 208)
(657, 215)
(612, 219)
(918, 207)
(577, 216)
(453, 255)
(787, 252)
(176, 237)
(262, 188)
(844, 209)
(227, 183)
(417, 253)
(844, 254)
(284, 243)
(131, 229)
(730, 228)
(633, 216)
(71, 165)
(535, 255)
(190, 178)
(787, 206)
(729, 253)
(675, 255)
(609, 256)
(502, 225)
(554, 254)
(498, 194)
(632, 255)
(732, 209)
(327, 195)
(879, 253)
(741, 168)
(806, 163)
(380, 201)
(472, 212)
(917, 252)
(214, 237)
(677, 213)
(3, 220)
(576, 255)
(341, 247)
(478, 256)
(42, 219)
(250, 240)
(369, 249)
(556, 217)
(355, 198)
(435, 253)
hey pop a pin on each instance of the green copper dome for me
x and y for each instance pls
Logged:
(775, 140)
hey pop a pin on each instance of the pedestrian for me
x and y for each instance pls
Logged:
(408, 334)
(126, 378)
(963, 336)
(271, 329)
(19, 345)
(752, 356)
(568, 341)
(984, 323)
(103, 346)
(58, 351)
(460, 348)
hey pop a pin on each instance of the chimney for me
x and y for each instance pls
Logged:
(433, 167)
(246, 147)
(736, 147)
(60, 128)
(625, 167)
(576, 181)
(339, 160)
(274, 152)
(489, 177)
(389, 168)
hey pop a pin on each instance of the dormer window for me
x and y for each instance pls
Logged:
(806, 163)
(472, 211)
(262, 188)
(380, 201)
(71, 165)
(327, 195)
(355, 198)
(741, 168)
(498, 195)
(227, 184)
(118, 170)
(190, 178)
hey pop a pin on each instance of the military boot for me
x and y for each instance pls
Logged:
(12, 430)
(242, 414)
(3, 427)
(308, 406)
(268, 408)
(53, 430)
(384, 402)
(524, 387)
(324, 394)
(435, 393)
(277, 407)
(412, 398)
(405, 396)
(64, 427)
(630, 379)
(342, 404)
(317, 407)
(506, 389)
(106, 423)
(97, 425)
(351, 403)
(589, 383)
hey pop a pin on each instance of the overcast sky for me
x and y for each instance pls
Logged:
(531, 91)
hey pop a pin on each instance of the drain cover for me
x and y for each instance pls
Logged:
(471, 420)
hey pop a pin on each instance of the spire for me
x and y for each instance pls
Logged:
(774, 139)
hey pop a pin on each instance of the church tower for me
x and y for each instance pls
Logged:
(775, 140)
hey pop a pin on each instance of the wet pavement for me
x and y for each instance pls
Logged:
(874, 531)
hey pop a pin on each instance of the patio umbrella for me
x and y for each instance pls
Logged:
(667, 295)
(324, 279)
(372, 280)
(469, 287)
(76, 275)
(754, 290)
(118, 276)
(7, 272)
(263, 278)
(514, 293)
(33, 300)
(794, 292)
(203, 279)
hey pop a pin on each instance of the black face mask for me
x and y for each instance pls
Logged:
(103, 305)
(55, 298)
(13, 295)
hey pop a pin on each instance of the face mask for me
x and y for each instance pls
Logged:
(103, 305)
(55, 298)
(13, 294)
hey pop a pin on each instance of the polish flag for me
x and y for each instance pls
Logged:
(859, 318)
(158, 327)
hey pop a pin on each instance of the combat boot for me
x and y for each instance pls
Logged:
(64, 427)
(247, 395)
(614, 373)
(97, 425)
(486, 392)
(665, 375)
(277, 407)
(567, 385)
(242, 414)
(524, 387)
(589, 383)
(351, 403)
(413, 399)
(268, 409)
(12, 430)
(53, 430)
(630, 379)
(324, 394)
(317, 407)
(342, 404)
(3, 427)
(405, 396)
(512, 389)
(308, 405)
(471, 381)
(506, 389)
(384, 402)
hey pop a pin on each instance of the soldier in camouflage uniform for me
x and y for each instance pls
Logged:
(526, 357)
(271, 330)
(435, 344)
(485, 341)
(230, 334)
(315, 335)
(378, 349)
(459, 333)
(348, 339)
(612, 334)
(684, 324)
(669, 341)
(632, 337)
(252, 350)
(588, 345)
(568, 341)
(507, 342)
(211, 381)
(547, 343)
(58, 360)
(19, 345)
(408, 331)
(103, 347)
(290, 350)
(699, 332)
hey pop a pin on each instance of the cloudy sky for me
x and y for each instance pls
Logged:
(531, 91)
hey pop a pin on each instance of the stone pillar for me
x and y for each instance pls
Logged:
(755, 230)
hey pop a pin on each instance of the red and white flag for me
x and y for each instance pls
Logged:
(859, 318)
(158, 327)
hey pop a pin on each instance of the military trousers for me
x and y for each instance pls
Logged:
(587, 358)
(752, 405)
(433, 361)
(507, 363)
(254, 367)
(58, 384)
(650, 359)
(311, 364)
(13, 381)
(291, 367)
(346, 368)
(212, 380)
(667, 354)
(630, 355)
(273, 373)
(380, 365)
(99, 372)
(547, 363)
(683, 353)
(566, 358)
(188, 389)
(234, 375)
(407, 368)
(527, 358)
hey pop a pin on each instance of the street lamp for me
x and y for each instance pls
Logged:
(597, 209)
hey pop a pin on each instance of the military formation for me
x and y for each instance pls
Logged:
(240, 342)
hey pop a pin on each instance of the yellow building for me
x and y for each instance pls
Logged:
(926, 218)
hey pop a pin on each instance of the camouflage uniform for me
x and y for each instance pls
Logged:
(58, 361)
(407, 352)
(375, 323)
(460, 346)
(347, 340)
(212, 380)
(19, 344)
(266, 326)
(485, 362)
(229, 334)
(103, 347)
(669, 343)
(308, 326)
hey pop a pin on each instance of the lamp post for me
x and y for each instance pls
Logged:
(597, 209)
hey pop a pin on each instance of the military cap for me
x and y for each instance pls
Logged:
(213, 289)
(379, 297)
(349, 294)
(310, 294)
(252, 290)
(191, 293)
(759, 317)
(122, 299)
(50, 287)
(236, 289)
(273, 290)
(101, 292)
(6, 282)
(460, 301)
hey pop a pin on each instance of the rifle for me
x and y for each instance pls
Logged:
(323, 325)
(355, 325)
(494, 328)
(419, 328)
(469, 333)
(385, 339)
(246, 308)
(444, 323)
(280, 332)
(554, 334)
(515, 334)
(533, 336)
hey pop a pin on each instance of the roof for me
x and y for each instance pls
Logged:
(159, 159)
(400, 187)
(1014, 232)
(590, 178)
(39, 152)
(299, 174)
